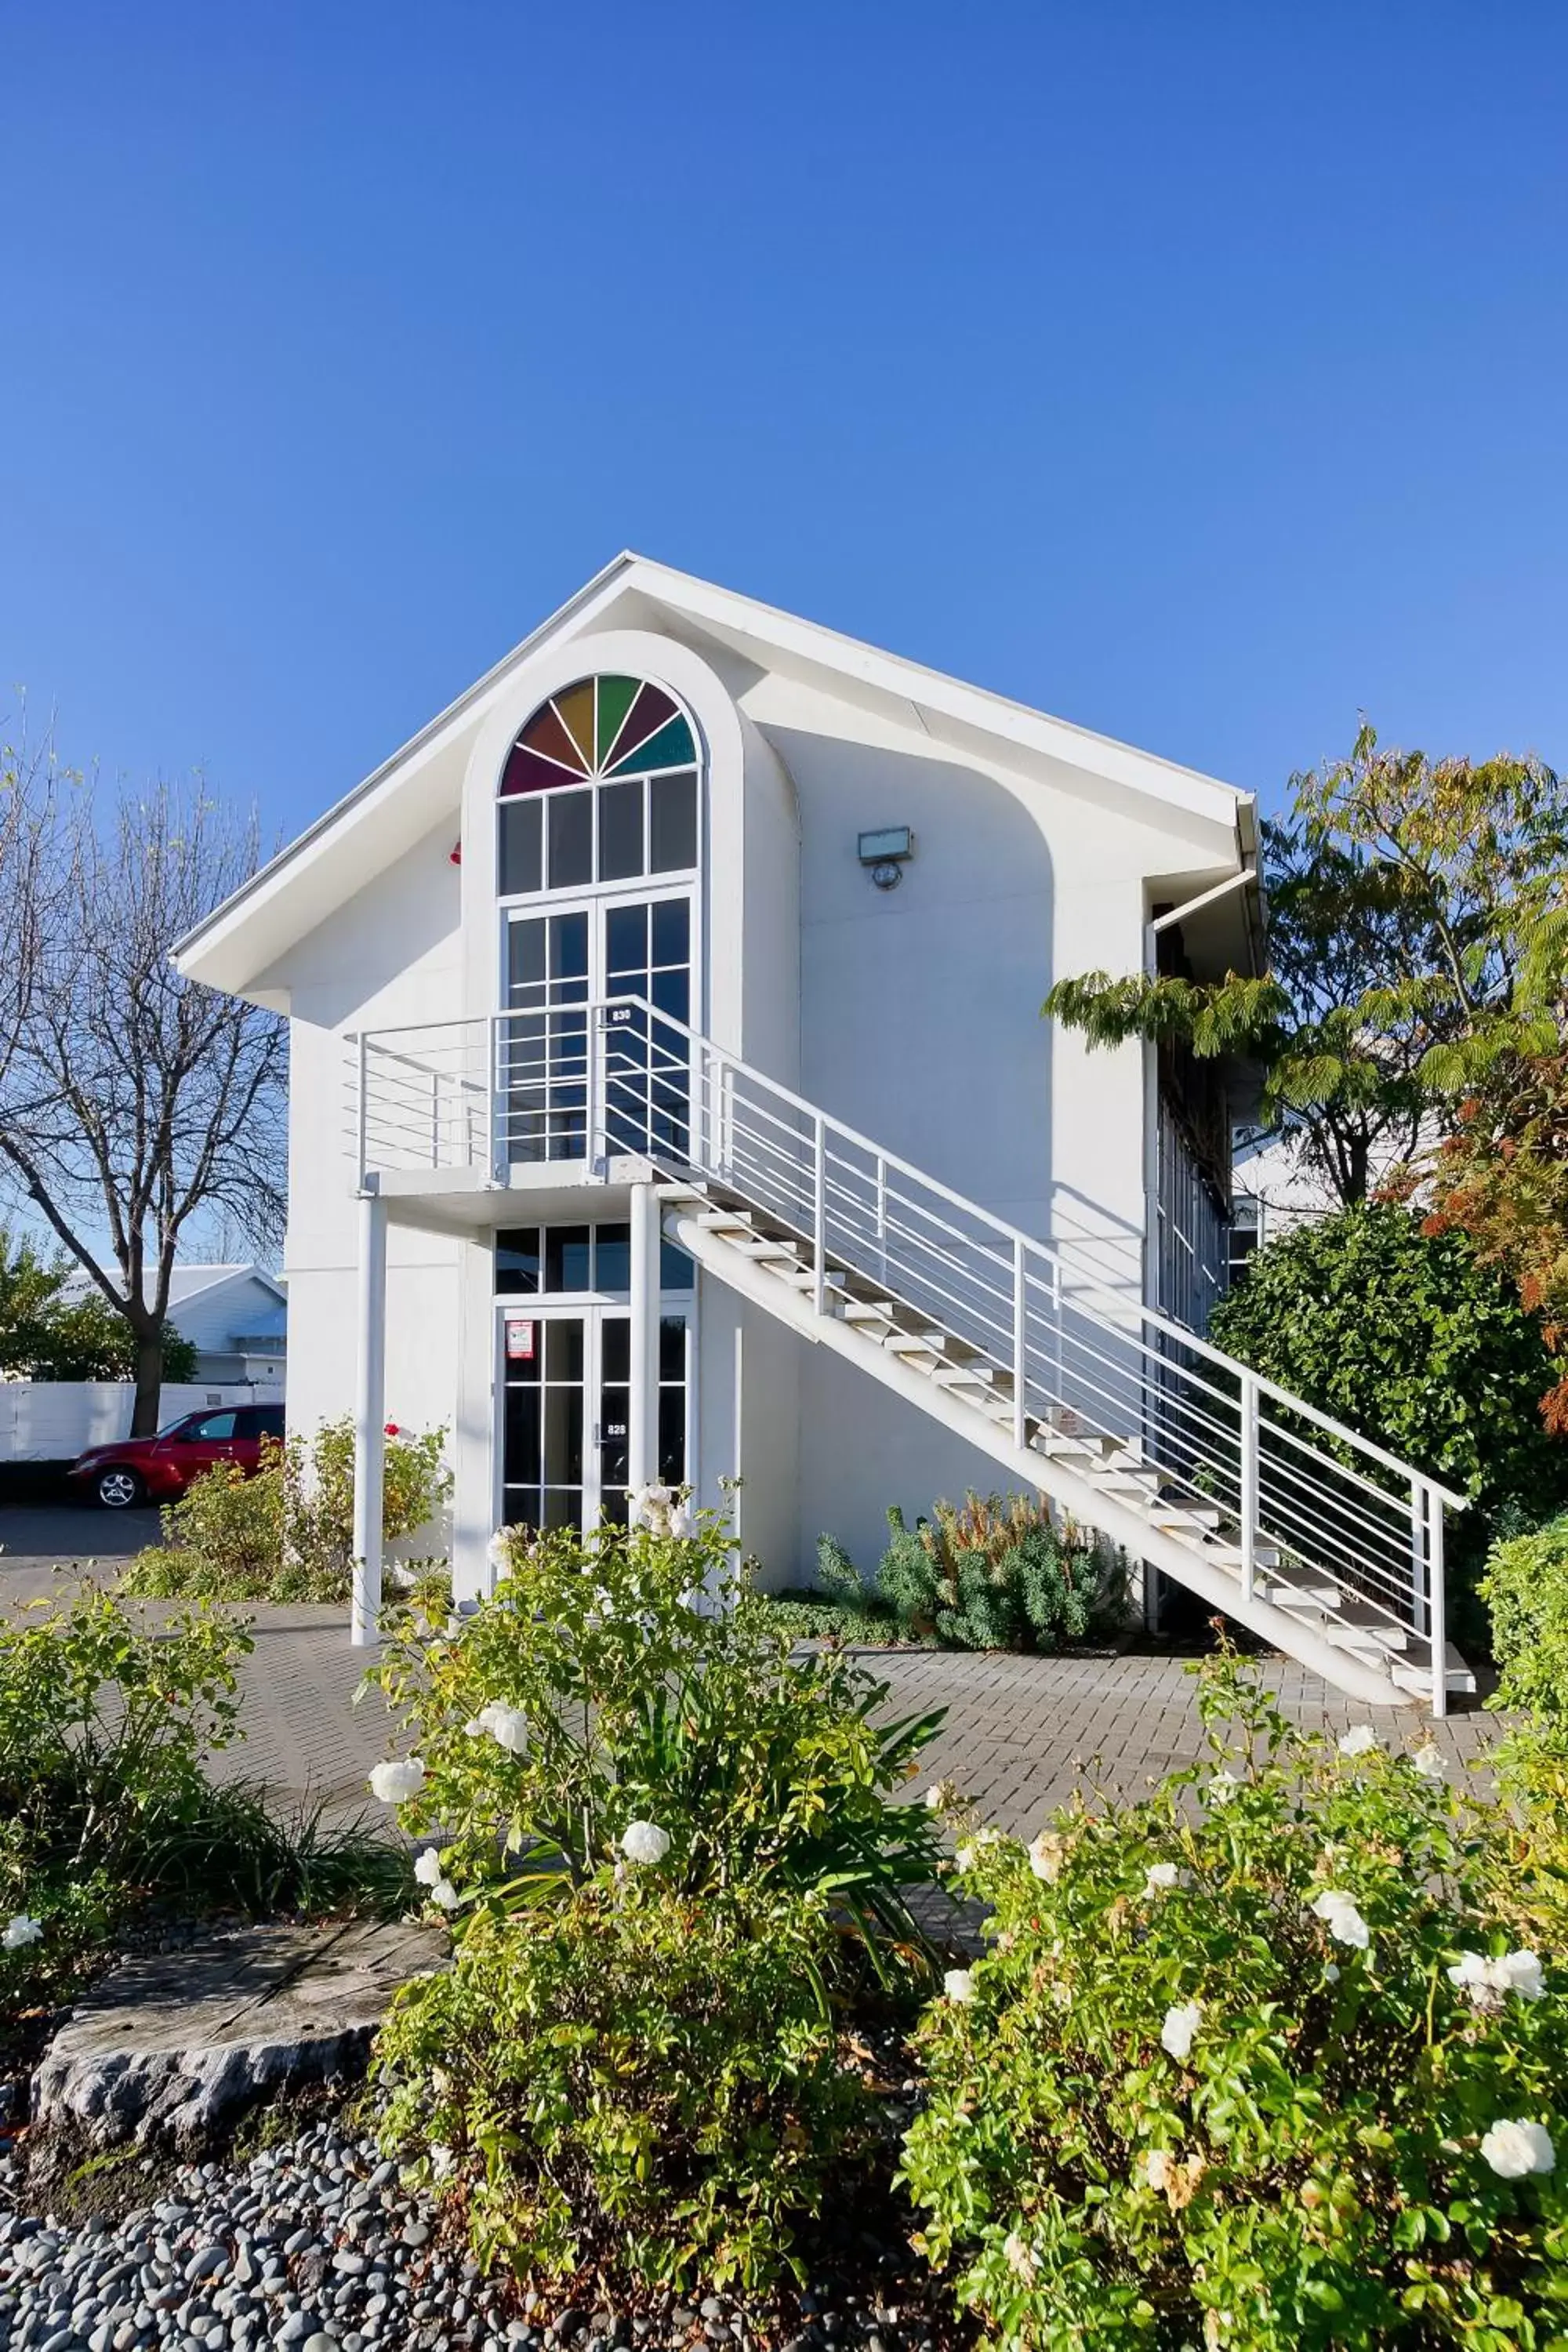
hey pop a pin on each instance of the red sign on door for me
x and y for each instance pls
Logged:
(519, 1341)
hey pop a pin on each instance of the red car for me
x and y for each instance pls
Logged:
(159, 1469)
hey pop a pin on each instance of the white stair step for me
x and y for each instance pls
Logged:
(966, 1376)
(1306, 1592)
(1228, 1555)
(1185, 1519)
(1416, 1673)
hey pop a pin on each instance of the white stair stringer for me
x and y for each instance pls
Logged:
(1116, 1497)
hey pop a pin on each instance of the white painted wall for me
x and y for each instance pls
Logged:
(913, 1015)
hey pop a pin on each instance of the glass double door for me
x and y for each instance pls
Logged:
(566, 1423)
(557, 964)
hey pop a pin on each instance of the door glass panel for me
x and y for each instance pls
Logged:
(649, 1064)
(672, 1383)
(544, 1042)
(614, 1415)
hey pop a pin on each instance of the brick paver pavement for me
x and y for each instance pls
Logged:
(1021, 1733)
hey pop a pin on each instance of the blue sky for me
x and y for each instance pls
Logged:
(1195, 371)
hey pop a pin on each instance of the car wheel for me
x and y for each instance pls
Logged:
(117, 1488)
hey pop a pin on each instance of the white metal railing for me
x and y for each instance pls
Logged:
(1304, 1503)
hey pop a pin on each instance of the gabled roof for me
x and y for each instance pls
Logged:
(192, 1280)
(218, 949)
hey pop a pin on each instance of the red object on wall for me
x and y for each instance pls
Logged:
(455, 855)
(519, 1340)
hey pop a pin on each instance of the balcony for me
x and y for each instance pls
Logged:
(543, 1100)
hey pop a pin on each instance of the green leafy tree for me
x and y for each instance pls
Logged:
(1407, 1337)
(49, 1335)
(1418, 937)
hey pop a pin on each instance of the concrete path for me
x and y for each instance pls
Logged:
(1021, 1733)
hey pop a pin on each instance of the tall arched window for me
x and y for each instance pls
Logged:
(600, 785)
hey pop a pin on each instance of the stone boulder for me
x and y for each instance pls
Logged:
(176, 2044)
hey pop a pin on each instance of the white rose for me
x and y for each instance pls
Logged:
(508, 1727)
(649, 1506)
(1489, 1980)
(444, 1895)
(1180, 2024)
(936, 1797)
(645, 1842)
(498, 1550)
(964, 1857)
(397, 1779)
(958, 1984)
(683, 1522)
(1428, 1761)
(1161, 1876)
(21, 1930)
(427, 1869)
(1362, 1741)
(1339, 1915)
(1020, 2261)
(1222, 1788)
(1513, 2149)
(1046, 1857)
(1520, 1972)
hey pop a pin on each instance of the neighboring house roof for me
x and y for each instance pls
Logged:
(205, 1301)
(233, 948)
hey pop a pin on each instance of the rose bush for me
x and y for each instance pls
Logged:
(1258, 2062)
(627, 1678)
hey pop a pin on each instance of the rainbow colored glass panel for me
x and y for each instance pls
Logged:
(599, 727)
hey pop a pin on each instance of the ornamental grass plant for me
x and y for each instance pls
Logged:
(1262, 2061)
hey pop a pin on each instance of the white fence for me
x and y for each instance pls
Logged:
(54, 1421)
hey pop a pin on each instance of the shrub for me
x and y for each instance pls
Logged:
(995, 1573)
(287, 1532)
(1525, 1586)
(106, 1804)
(626, 1675)
(1250, 2063)
(642, 2082)
(1407, 1337)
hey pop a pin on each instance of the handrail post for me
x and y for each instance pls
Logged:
(1020, 1347)
(1419, 1612)
(1249, 1483)
(1437, 1604)
(819, 1212)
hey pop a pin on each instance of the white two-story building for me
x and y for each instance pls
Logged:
(672, 1099)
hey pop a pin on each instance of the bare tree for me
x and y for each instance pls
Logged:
(132, 1099)
(30, 785)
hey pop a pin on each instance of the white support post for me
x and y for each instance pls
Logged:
(1248, 1483)
(819, 1214)
(370, 1421)
(1020, 1346)
(1437, 1604)
(642, 1433)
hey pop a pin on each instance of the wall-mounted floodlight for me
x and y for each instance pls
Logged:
(883, 852)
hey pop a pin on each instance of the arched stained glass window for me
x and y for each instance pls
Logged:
(618, 758)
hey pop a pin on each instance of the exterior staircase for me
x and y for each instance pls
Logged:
(1326, 1547)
